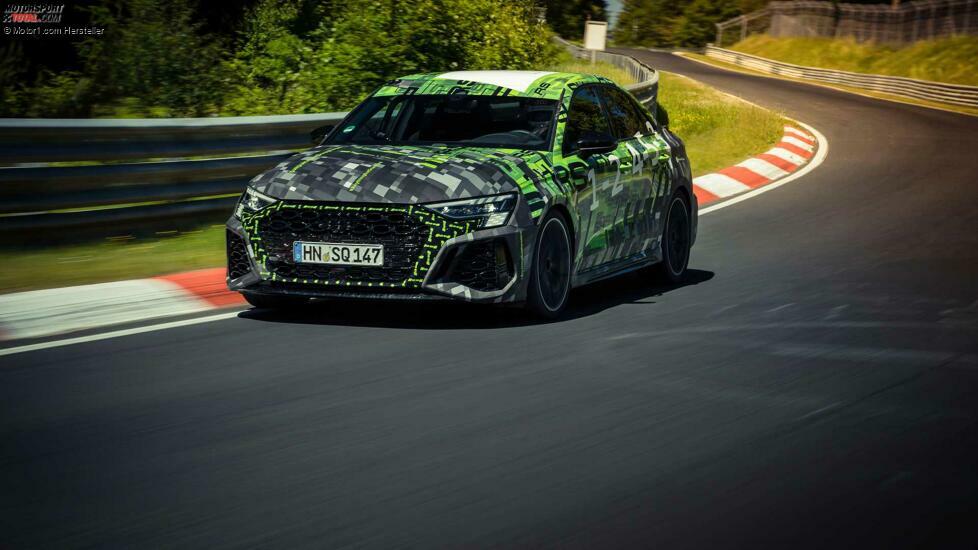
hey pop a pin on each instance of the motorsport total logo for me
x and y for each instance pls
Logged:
(42, 21)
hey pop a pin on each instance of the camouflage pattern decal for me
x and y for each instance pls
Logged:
(409, 175)
(550, 86)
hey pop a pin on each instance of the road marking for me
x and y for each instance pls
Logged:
(117, 333)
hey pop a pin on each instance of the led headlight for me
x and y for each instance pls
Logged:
(487, 211)
(252, 201)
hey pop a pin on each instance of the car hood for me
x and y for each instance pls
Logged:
(399, 174)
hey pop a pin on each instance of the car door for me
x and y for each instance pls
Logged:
(591, 175)
(642, 154)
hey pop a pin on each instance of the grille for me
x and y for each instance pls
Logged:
(237, 256)
(411, 238)
(483, 265)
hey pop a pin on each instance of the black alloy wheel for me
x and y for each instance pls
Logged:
(675, 241)
(550, 278)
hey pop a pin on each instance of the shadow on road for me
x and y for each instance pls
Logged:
(633, 288)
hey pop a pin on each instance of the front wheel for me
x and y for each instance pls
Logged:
(274, 301)
(676, 237)
(550, 275)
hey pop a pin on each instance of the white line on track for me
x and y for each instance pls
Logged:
(823, 149)
(118, 333)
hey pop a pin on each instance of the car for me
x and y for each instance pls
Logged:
(506, 187)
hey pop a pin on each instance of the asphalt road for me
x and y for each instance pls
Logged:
(816, 387)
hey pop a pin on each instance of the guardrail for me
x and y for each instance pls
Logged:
(109, 193)
(956, 94)
(646, 88)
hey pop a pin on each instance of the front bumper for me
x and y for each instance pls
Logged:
(451, 264)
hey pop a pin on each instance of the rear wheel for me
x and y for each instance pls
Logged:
(549, 284)
(676, 238)
(273, 301)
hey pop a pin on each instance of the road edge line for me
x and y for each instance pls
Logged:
(820, 154)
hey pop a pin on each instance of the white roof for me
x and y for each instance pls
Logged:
(514, 80)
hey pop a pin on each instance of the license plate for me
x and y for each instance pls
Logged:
(338, 254)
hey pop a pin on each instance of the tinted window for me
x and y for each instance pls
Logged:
(470, 121)
(585, 117)
(626, 119)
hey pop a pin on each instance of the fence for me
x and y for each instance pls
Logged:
(883, 23)
(908, 87)
(87, 181)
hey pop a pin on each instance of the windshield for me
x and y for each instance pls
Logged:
(458, 120)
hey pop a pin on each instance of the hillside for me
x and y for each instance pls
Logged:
(952, 60)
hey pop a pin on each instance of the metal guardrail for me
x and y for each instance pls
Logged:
(956, 94)
(646, 88)
(116, 195)
(114, 198)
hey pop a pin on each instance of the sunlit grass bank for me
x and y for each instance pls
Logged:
(952, 60)
(718, 130)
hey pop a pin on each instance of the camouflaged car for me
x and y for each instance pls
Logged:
(484, 186)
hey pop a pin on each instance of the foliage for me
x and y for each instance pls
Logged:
(357, 49)
(953, 60)
(676, 22)
(288, 56)
(567, 17)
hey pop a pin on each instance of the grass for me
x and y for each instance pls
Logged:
(952, 60)
(860, 91)
(718, 129)
(111, 260)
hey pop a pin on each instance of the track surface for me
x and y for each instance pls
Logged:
(816, 387)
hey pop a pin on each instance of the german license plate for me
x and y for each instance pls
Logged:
(338, 254)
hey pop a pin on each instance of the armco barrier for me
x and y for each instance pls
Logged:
(117, 194)
(956, 94)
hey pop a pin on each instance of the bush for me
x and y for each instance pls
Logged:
(357, 48)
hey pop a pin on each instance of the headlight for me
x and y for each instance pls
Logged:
(487, 211)
(252, 201)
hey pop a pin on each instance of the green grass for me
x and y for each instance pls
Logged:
(718, 130)
(111, 260)
(871, 93)
(953, 60)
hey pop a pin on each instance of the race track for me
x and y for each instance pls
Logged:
(816, 385)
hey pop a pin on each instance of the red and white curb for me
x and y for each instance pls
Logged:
(796, 148)
(41, 313)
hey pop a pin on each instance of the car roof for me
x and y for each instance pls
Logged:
(538, 84)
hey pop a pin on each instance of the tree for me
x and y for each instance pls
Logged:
(648, 22)
(697, 25)
(567, 17)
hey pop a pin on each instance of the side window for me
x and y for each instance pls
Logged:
(626, 119)
(585, 117)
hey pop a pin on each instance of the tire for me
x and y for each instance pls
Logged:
(550, 276)
(273, 301)
(676, 236)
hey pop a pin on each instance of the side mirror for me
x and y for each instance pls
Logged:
(319, 134)
(594, 143)
(661, 116)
